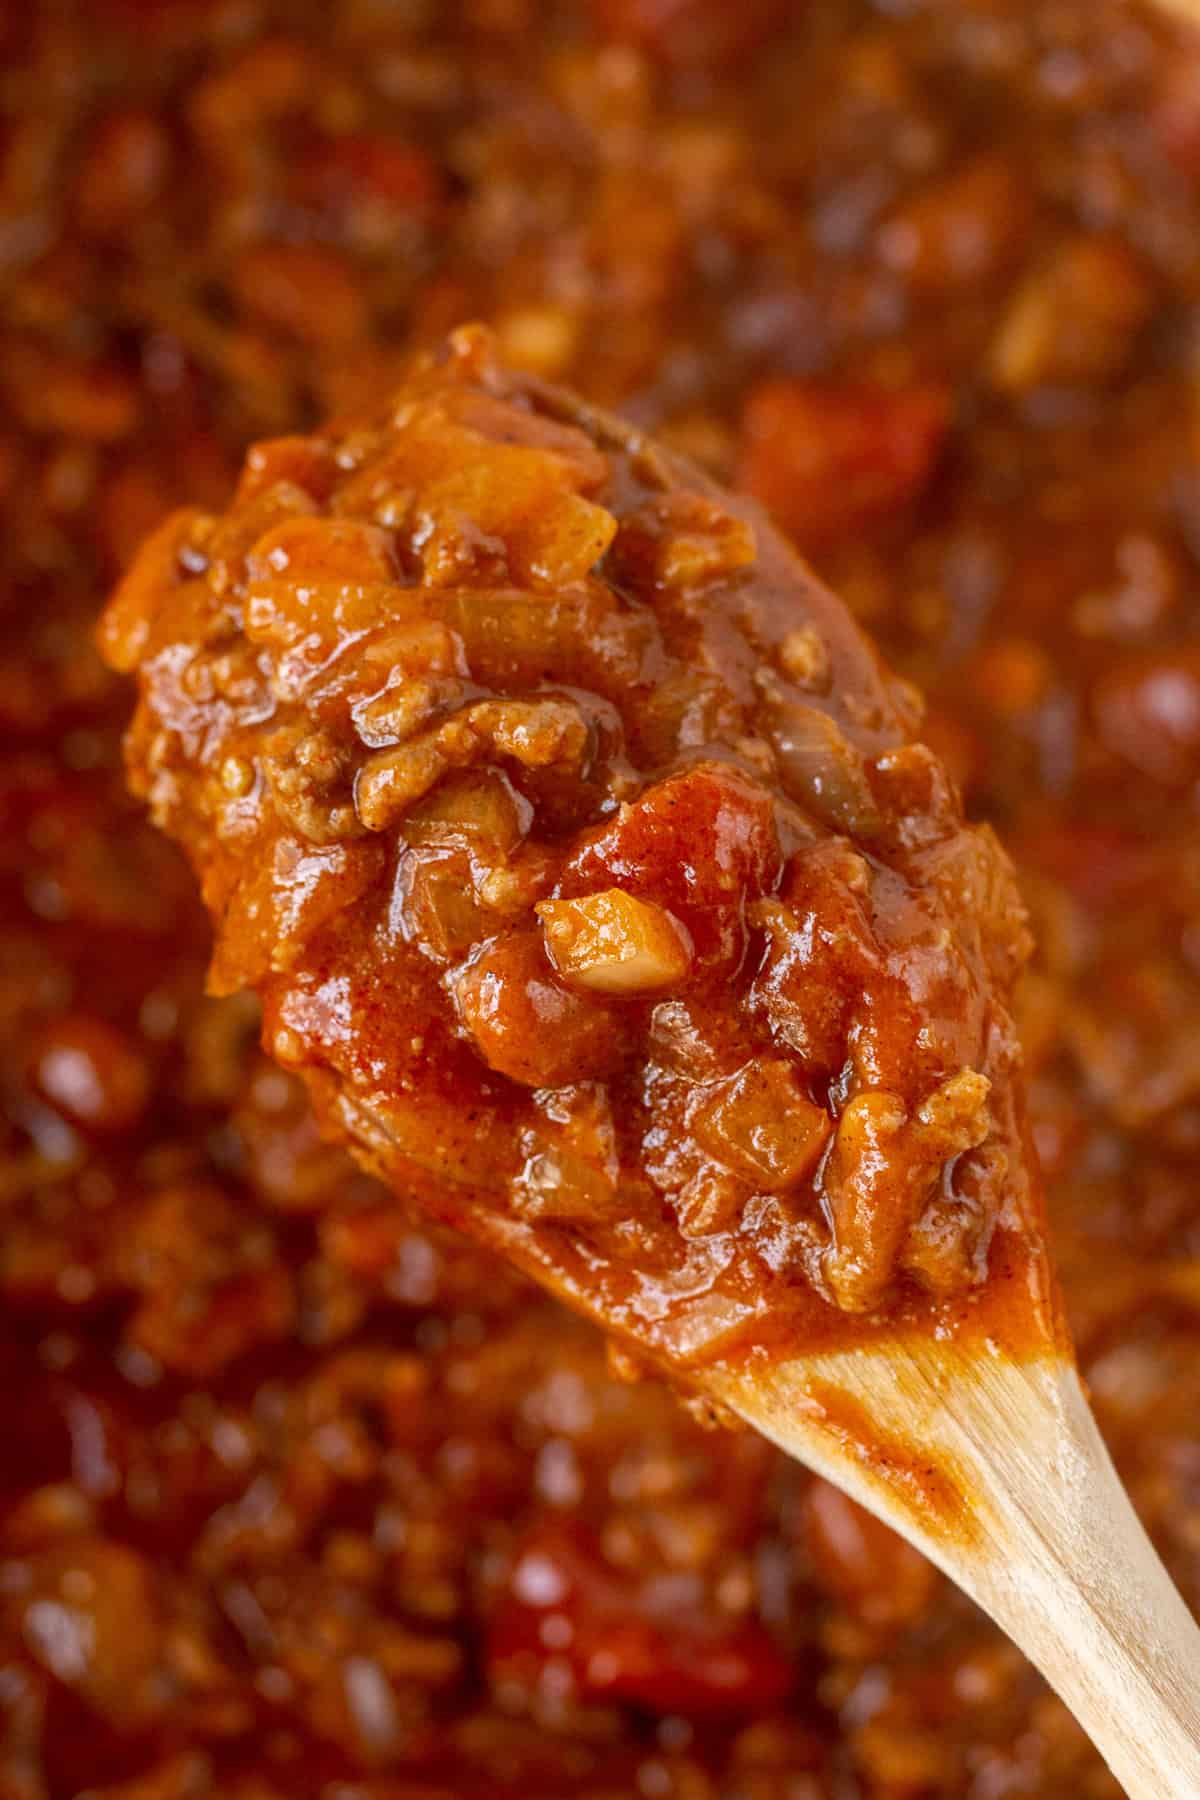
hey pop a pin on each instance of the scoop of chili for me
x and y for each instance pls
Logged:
(587, 866)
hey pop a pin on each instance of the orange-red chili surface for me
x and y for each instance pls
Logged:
(579, 851)
(299, 1498)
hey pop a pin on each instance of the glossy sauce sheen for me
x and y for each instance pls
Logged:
(579, 847)
(301, 1499)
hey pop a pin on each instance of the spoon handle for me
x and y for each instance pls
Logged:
(995, 1469)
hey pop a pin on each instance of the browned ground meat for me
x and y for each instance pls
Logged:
(576, 844)
(299, 1501)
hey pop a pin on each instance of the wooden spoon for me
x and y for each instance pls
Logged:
(964, 1427)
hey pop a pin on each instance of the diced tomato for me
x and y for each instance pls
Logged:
(700, 838)
(361, 167)
(690, 32)
(700, 844)
(565, 1602)
(828, 460)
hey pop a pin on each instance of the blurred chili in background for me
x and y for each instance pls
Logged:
(297, 1499)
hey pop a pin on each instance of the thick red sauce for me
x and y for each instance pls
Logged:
(277, 1460)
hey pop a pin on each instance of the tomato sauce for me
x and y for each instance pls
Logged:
(278, 1457)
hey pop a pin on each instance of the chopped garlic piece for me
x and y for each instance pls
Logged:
(614, 943)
